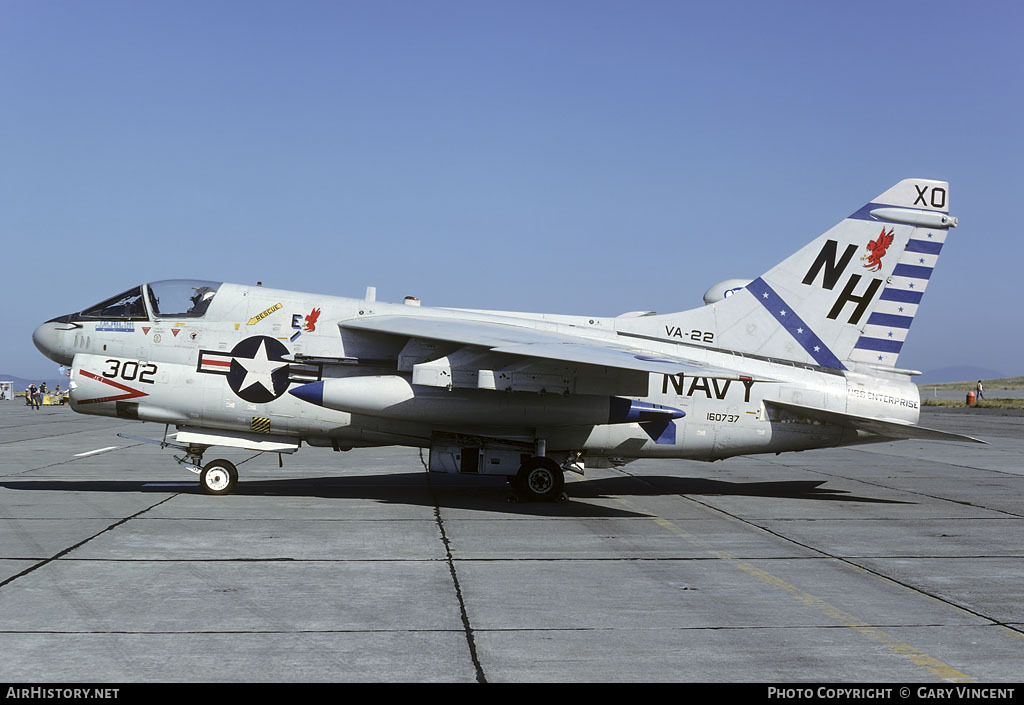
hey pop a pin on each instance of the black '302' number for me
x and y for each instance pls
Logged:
(130, 370)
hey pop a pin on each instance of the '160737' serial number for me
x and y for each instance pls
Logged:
(727, 418)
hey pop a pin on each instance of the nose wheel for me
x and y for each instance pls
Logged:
(218, 477)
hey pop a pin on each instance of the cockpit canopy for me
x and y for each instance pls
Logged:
(181, 298)
(170, 298)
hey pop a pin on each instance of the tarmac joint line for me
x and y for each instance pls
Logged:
(69, 549)
(467, 627)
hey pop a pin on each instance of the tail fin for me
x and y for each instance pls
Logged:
(850, 295)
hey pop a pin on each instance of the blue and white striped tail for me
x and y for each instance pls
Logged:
(848, 297)
(887, 326)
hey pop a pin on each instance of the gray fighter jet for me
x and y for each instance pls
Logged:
(803, 356)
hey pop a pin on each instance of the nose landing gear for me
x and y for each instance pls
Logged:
(218, 477)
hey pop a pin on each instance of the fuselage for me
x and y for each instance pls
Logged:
(232, 365)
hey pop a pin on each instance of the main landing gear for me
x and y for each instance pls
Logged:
(539, 480)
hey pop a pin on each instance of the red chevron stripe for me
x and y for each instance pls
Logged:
(131, 393)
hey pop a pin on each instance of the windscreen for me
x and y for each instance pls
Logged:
(128, 306)
(181, 298)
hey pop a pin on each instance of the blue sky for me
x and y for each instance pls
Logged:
(586, 157)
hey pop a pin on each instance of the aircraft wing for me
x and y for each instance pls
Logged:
(888, 429)
(455, 330)
(537, 344)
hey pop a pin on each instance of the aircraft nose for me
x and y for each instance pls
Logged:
(51, 340)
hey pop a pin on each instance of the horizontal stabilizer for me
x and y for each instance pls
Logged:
(888, 429)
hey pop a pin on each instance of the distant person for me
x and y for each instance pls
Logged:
(34, 396)
(28, 397)
(981, 390)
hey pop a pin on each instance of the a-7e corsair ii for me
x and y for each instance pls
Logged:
(803, 356)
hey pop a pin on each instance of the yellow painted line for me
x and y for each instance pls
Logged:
(896, 646)
(1013, 632)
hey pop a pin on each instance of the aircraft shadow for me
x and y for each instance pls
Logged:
(665, 485)
(478, 493)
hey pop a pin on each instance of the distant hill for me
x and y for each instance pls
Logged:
(990, 384)
(957, 374)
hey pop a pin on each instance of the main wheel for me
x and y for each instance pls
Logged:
(540, 479)
(218, 477)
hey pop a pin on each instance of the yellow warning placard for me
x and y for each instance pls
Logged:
(260, 316)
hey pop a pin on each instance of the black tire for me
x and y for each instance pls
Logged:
(218, 477)
(540, 480)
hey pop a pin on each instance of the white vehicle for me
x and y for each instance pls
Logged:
(803, 356)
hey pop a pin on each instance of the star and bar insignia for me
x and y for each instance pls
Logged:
(255, 368)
